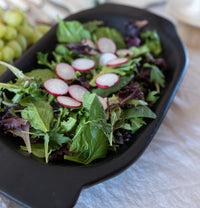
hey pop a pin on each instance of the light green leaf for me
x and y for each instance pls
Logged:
(110, 33)
(39, 113)
(71, 32)
(37, 150)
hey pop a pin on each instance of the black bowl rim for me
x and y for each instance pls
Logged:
(83, 175)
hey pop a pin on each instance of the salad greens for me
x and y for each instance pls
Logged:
(83, 134)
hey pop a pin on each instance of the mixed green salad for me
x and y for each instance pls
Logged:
(89, 96)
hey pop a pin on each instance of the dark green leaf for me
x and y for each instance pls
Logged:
(105, 92)
(152, 41)
(156, 74)
(139, 111)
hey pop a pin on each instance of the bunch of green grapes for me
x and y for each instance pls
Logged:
(17, 34)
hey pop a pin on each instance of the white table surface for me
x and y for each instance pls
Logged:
(167, 174)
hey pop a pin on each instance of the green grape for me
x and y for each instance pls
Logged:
(16, 48)
(1, 44)
(2, 30)
(43, 28)
(37, 35)
(10, 33)
(27, 31)
(22, 41)
(2, 68)
(13, 18)
(7, 54)
(23, 15)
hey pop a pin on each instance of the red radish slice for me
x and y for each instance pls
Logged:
(124, 52)
(106, 57)
(56, 86)
(104, 102)
(65, 72)
(83, 64)
(106, 45)
(107, 80)
(77, 92)
(68, 102)
(117, 62)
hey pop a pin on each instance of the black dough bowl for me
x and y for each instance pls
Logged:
(31, 182)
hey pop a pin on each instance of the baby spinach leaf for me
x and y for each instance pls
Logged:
(110, 33)
(105, 92)
(138, 111)
(90, 143)
(91, 139)
(71, 32)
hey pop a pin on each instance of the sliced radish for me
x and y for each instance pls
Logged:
(105, 57)
(117, 62)
(83, 64)
(65, 72)
(104, 102)
(56, 86)
(77, 92)
(106, 45)
(124, 52)
(68, 102)
(107, 80)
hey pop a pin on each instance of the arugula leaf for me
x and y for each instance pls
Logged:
(38, 112)
(110, 33)
(152, 97)
(67, 126)
(71, 32)
(152, 41)
(57, 139)
(66, 54)
(42, 59)
(132, 124)
(156, 74)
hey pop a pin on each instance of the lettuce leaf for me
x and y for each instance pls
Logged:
(38, 112)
